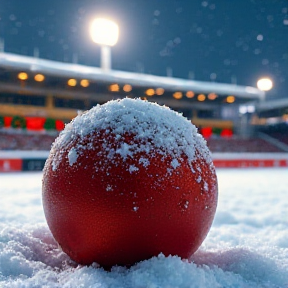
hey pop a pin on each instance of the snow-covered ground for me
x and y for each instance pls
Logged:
(247, 245)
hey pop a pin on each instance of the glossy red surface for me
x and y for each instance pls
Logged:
(100, 211)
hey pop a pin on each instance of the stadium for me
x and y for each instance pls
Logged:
(38, 97)
(103, 184)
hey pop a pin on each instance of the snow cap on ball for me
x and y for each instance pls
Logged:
(155, 129)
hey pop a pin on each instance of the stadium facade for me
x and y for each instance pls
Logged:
(34, 88)
(41, 95)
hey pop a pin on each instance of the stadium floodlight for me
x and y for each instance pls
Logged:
(105, 33)
(265, 84)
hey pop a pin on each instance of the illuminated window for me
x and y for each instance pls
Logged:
(150, 92)
(39, 77)
(160, 91)
(23, 76)
(84, 83)
(212, 96)
(114, 88)
(127, 88)
(190, 94)
(72, 82)
(230, 99)
(201, 97)
(178, 95)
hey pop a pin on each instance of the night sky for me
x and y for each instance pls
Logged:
(209, 40)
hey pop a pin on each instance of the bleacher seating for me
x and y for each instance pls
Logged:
(18, 140)
(277, 131)
(235, 144)
(282, 137)
(23, 140)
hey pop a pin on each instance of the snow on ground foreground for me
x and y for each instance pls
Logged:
(247, 245)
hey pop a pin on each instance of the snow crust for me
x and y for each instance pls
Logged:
(72, 156)
(247, 246)
(155, 129)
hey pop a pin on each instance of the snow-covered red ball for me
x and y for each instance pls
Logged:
(126, 181)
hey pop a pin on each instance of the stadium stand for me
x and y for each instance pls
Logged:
(22, 150)
(24, 140)
(278, 132)
(281, 137)
(18, 140)
(239, 145)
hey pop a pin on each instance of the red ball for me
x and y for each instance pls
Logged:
(126, 181)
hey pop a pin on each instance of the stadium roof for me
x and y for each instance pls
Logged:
(55, 68)
(274, 108)
(275, 104)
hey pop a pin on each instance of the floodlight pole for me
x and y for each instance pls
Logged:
(105, 57)
(2, 45)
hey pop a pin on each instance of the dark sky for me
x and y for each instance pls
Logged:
(212, 39)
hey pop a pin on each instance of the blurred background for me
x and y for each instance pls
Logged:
(201, 58)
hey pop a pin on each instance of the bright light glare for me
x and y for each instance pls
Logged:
(127, 88)
(150, 92)
(212, 96)
(104, 32)
(114, 88)
(72, 82)
(160, 91)
(39, 77)
(265, 84)
(251, 109)
(230, 99)
(247, 109)
(190, 94)
(23, 76)
(177, 95)
(201, 97)
(84, 83)
(243, 109)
